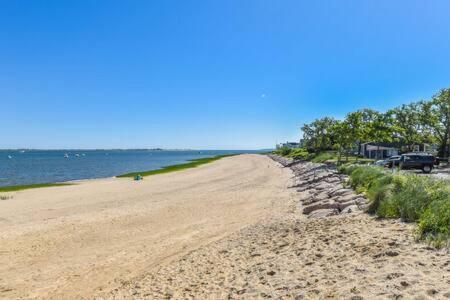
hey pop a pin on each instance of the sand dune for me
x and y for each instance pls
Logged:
(84, 240)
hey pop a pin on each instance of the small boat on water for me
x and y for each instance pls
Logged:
(77, 155)
(66, 155)
(9, 156)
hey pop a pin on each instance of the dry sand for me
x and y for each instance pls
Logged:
(227, 230)
(83, 240)
(349, 256)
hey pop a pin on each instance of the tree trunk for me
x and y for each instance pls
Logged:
(443, 147)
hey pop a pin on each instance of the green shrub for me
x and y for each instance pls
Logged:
(285, 151)
(364, 177)
(300, 153)
(323, 157)
(347, 168)
(434, 223)
(414, 194)
(295, 153)
(380, 190)
(411, 197)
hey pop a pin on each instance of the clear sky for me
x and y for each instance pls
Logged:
(216, 74)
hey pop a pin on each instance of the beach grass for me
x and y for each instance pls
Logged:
(14, 188)
(411, 197)
(173, 168)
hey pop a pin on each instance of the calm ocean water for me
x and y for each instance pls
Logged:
(37, 166)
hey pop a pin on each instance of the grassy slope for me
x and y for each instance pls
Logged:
(411, 197)
(192, 164)
(29, 186)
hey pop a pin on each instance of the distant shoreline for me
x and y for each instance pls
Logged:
(177, 167)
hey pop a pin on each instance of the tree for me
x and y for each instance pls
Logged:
(342, 132)
(368, 116)
(407, 126)
(318, 134)
(379, 128)
(355, 124)
(436, 115)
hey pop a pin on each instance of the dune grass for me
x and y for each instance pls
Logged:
(411, 197)
(14, 188)
(174, 168)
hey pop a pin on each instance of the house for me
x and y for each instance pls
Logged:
(291, 145)
(378, 150)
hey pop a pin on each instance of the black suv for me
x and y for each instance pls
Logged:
(418, 161)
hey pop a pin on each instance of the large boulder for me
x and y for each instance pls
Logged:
(349, 209)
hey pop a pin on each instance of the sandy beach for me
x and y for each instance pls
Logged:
(82, 240)
(231, 229)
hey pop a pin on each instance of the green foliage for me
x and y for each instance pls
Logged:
(407, 125)
(365, 176)
(15, 188)
(347, 168)
(300, 154)
(284, 151)
(436, 116)
(435, 221)
(318, 135)
(411, 197)
(323, 157)
(192, 164)
(380, 189)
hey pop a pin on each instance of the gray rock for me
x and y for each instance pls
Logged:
(320, 205)
(323, 213)
(349, 209)
(346, 198)
(342, 191)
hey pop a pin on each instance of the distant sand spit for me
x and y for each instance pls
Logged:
(84, 240)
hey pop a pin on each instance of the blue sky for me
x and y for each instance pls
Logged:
(228, 74)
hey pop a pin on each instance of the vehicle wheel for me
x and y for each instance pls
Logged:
(427, 168)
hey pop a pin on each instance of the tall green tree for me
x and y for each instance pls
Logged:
(343, 138)
(318, 135)
(407, 125)
(355, 123)
(436, 115)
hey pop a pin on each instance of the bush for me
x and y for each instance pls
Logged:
(300, 153)
(380, 190)
(435, 222)
(285, 151)
(297, 153)
(364, 177)
(411, 197)
(323, 157)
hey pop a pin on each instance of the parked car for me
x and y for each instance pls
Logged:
(393, 161)
(381, 163)
(417, 161)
